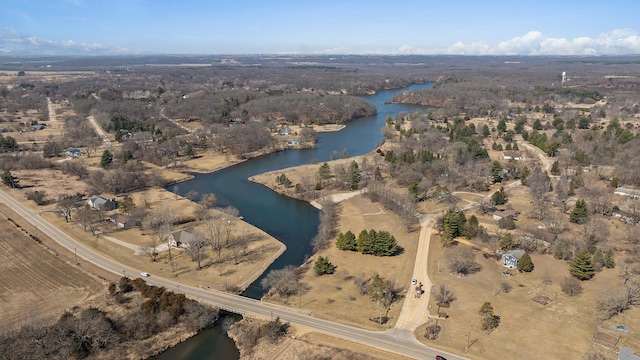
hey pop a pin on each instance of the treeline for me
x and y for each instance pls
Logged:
(378, 243)
(93, 331)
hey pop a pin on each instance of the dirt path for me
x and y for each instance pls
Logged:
(541, 155)
(99, 131)
(415, 311)
(336, 198)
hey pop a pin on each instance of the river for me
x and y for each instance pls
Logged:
(291, 221)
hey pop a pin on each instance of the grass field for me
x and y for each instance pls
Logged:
(37, 283)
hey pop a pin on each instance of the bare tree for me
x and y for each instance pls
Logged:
(89, 218)
(215, 230)
(461, 260)
(444, 295)
(571, 286)
(283, 282)
(539, 186)
(204, 205)
(196, 247)
(151, 250)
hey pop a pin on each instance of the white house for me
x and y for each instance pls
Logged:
(73, 152)
(511, 258)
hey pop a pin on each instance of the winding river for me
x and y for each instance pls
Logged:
(291, 221)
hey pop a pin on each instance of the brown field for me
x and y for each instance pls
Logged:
(37, 284)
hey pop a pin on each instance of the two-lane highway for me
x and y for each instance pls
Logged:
(397, 341)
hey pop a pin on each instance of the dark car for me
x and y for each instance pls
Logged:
(438, 357)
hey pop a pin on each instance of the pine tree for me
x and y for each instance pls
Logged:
(106, 159)
(609, 262)
(598, 260)
(582, 266)
(385, 244)
(579, 213)
(555, 168)
(496, 171)
(525, 264)
(346, 241)
(499, 197)
(490, 321)
(324, 171)
(323, 266)
(365, 242)
(354, 176)
(8, 178)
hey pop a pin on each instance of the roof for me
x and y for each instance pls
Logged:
(121, 219)
(512, 154)
(183, 236)
(97, 200)
(515, 253)
(627, 191)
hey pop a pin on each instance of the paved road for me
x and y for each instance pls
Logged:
(399, 341)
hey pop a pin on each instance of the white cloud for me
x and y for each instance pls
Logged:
(616, 42)
(12, 42)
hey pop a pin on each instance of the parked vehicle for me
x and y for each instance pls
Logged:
(144, 274)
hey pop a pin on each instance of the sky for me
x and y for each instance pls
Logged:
(454, 27)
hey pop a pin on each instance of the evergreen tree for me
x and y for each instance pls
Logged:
(189, 150)
(126, 204)
(485, 131)
(579, 213)
(507, 243)
(609, 262)
(364, 243)
(555, 168)
(582, 266)
(8, 178)
(354, 176)
(496, 171)
(346, 241)
(385, 244)
(499, 197)
(525, 264)
(489, 320)
(106, 159)
(324, 171)
(472, 228)
(323, 266)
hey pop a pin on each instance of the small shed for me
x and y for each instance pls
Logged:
(511, 258)
(122, 221)
(512, 155)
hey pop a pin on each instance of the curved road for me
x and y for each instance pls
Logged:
(400, 341)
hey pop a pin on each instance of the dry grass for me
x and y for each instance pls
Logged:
(215, 274)
(37, 283)
(335, 296)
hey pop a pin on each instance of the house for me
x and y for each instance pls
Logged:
(285, 132)
(627, 192)
(294, 142)
(122, 221)
(512, 155)
(627, 354)
(182, 237)
(499, 214)
(37, 127)
(73, 152)
(511, 258)
(99, 203)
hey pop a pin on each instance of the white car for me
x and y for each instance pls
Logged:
(144, 274)
(414, 281)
